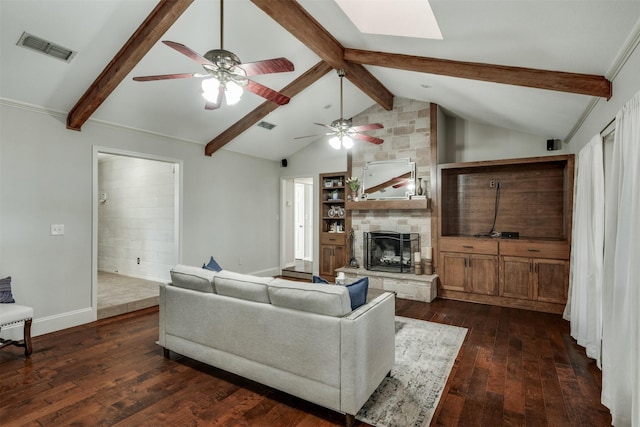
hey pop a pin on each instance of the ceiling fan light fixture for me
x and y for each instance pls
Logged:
(334, 142)
(210, 90)
(233, 92)
(347, 142)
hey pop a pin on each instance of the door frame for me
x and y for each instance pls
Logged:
(178, 163)
(284, 180)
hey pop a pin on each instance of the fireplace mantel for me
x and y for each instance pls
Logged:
(402, 204)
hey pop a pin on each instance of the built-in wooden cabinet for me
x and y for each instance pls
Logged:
(479, 201)
(535, 270)
(469, 265)
(334, 223)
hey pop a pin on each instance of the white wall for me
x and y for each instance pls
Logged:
(625, 85)
(287, 223)
(468, 141)
(314, 159)
(136, 219)
(229, 209)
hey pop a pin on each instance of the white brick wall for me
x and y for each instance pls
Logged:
(138, 218)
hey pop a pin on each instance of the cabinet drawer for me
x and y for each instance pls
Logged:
(472, 246)
(554, 250)
(333, 238)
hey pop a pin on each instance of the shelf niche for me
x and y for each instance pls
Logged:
(535, 198)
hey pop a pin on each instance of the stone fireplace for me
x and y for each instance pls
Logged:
(390, 251)
(406, 134)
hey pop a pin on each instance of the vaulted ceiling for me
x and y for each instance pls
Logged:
(530, 66)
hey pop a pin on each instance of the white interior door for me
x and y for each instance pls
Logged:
(299, 220)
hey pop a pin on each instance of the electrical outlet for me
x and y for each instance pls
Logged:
(492, 183)
(138, 260)
(57, 229)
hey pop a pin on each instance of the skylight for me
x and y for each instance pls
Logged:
(404, 18)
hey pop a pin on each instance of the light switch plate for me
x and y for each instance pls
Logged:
(57, 229)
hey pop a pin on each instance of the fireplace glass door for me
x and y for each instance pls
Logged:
(390, 251)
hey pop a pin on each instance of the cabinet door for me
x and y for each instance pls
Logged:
(515, 277)
(339, 258)
(483, 274)
(331, 257)
(453, 271)
(552, 280)
(326, 261)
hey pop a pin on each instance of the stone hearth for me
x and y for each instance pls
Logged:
(415, 287)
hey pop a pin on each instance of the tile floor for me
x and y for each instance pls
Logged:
(118, 294)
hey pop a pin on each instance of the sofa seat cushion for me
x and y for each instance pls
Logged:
(243, 286)
(194, 278)
(323, 299)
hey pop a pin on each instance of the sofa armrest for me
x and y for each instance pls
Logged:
(368, 350)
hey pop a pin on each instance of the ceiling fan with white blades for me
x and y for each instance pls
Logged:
(342, 130)
(225, 76)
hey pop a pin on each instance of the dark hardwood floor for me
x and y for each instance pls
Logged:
(515, 368)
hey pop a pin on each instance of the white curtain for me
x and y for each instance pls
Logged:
(621, 272)
(584, 308)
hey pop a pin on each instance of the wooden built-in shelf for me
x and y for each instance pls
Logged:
(403, 204)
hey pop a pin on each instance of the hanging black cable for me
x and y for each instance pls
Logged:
(492, 232)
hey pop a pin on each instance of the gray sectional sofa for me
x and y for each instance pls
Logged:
(300, 338)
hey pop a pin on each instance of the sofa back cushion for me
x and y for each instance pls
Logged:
(194, 278)
(243, 286)
(329, 300)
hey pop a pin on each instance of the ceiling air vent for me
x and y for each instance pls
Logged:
(266, 125)
(43, 46)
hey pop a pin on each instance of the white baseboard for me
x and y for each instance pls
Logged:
(57, 322)
(273, 271)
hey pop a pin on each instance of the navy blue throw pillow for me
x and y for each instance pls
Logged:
(6, 296)
(212, 265)
(318, 279)
(358, 292)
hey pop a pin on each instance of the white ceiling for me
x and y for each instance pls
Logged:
(566, 35)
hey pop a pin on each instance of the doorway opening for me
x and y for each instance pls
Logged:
(297, 228)
(136, 229)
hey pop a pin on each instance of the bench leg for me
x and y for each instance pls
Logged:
(28, 349)
(350, 420)
(165, 352)
(25, 342)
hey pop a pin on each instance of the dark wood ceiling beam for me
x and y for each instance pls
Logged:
(147, 35)
(298, 85)
(585, 84)
(293, 18)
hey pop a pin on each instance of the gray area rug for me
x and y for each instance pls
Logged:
(425, 354)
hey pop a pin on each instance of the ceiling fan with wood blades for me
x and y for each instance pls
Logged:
(225, 75)
(343, 130)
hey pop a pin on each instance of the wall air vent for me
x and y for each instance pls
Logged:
(266, 125)
(40, 45)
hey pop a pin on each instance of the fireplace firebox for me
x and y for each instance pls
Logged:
(390, 251)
